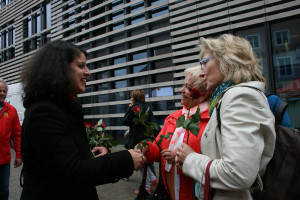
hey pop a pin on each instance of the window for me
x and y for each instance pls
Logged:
(119, 72)
(136, 7)
(159, 11)
(285, 66)
(137, 19)
(116, 4)
(163, 105)
(254, 40)
(161, 92)
(138, 56)
(117, 25)
(154, 2)
(120, 84)
(118, 96)
(119, 60)
(139, 68)
(282, 37)
(140, 80)
(117, 14)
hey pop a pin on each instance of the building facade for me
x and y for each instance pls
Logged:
(147, 44)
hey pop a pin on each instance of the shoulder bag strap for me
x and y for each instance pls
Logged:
(207, 192)
(280, 112)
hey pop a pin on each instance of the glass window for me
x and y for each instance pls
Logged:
(282, 37)
(154, 2)
(254, 40)
(163, 105)
(118, 96)
(163, 77)
(136, 7)
(161, 50)
(162, 92)
(116, 4)
(139, 68)
(140, 80)
(161, 64)
(101, 86)
(117, 121)
(285, 66)
(48, 15)
(119, 60)
(100, 64)
(117, 14)
(159, 11)
(137, 31)
(286, 63)
(29, 27)
(160, 37)
(139, 55)
(117, 25)
(119, 72)
(118, 48)
(120, 84)
(38, 22)
(102, 98)
(257, 38)
(138, 43)
(119, 108)
(161, 119)
(100, 75)
(137, 19)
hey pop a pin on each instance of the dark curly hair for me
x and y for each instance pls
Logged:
(47, 75)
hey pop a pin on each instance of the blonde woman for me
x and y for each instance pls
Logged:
(242, 146)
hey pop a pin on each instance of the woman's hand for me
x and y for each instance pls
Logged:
(138, 159)
(100, 150)
(182, 152)
(169, 155)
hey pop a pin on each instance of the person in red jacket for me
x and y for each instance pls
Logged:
(10, 129)
(178, 185)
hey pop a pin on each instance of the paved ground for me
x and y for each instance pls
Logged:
(121, 190)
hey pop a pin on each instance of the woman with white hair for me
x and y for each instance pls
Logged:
(237, 149)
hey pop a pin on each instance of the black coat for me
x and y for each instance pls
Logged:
(57, 159)
(136, 132)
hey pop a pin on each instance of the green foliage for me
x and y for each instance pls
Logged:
(150, 129)
(190, 124)
(97, 136)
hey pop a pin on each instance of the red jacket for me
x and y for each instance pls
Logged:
(153, 153)
(10, 129)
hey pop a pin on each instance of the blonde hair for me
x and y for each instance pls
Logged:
(235, 58)
(138, 95)
(195, 72)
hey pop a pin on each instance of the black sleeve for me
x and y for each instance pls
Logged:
(128, 117)
(57, 153)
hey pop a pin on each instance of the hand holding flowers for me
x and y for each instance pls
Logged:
(99, 141)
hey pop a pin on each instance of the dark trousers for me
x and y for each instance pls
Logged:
(4, 181)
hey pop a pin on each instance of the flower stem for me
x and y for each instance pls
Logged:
(188, 116)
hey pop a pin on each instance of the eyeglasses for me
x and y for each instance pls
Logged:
(203, 63)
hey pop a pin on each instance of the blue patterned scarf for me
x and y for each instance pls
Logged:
(216, 93)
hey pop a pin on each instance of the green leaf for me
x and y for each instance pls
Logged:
(196, 118)
(99, 128)
(180, 121)
(147, 111)
(194, 128)
(136, 121)
(186, 124)
(99, 122)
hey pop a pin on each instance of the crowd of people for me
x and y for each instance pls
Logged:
(53, 147)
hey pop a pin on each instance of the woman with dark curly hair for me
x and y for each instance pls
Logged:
(54, 147)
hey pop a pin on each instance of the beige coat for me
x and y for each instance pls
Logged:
(244, 147)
